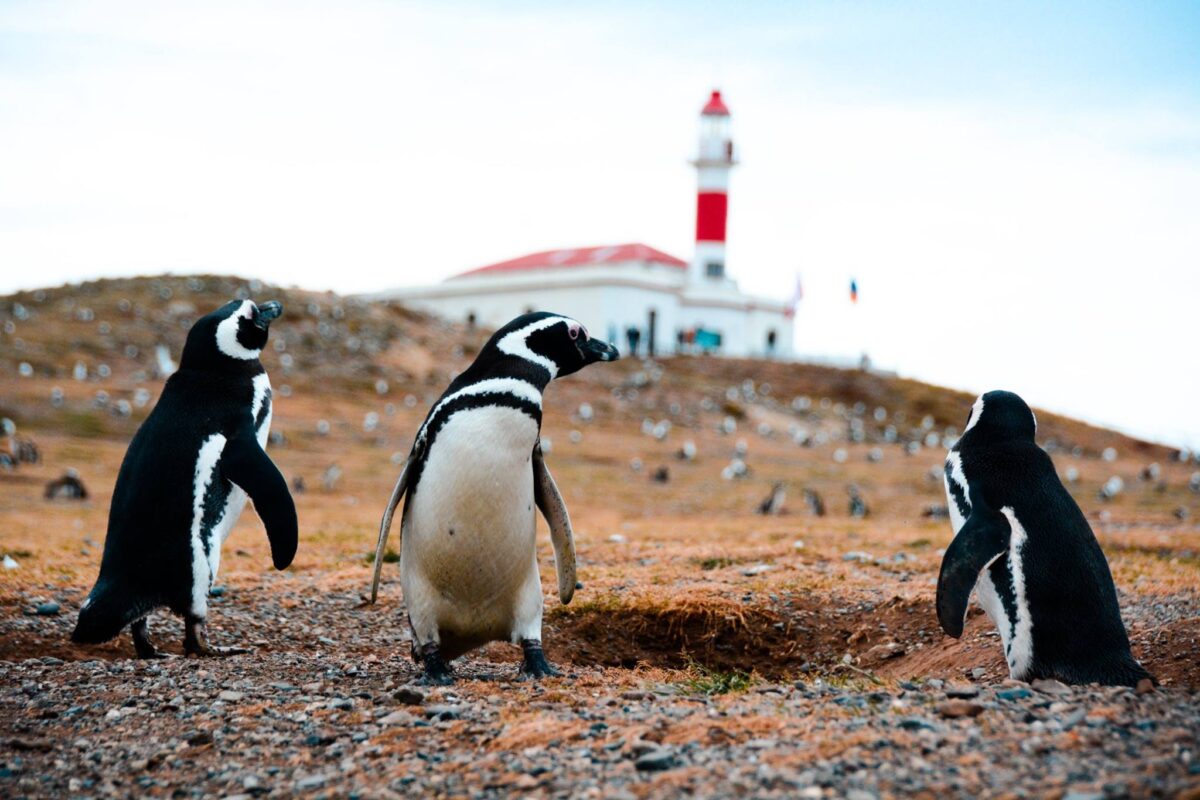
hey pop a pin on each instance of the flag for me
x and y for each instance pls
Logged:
(797, 296)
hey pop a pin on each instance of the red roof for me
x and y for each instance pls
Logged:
(581, 257)
(716, 106)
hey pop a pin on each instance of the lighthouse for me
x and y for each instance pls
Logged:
(713, 161)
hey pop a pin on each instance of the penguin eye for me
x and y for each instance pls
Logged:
(573, 329)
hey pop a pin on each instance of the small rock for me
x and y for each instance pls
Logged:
(916, 724)
(1051, 686)
(197, 738)
(1015, 693)
(757, 569)
(962, 691)
(230, 696)
(1145, 686)
(655, 760)
(311, 782)
(47, 609)
(443, 712)
(407, 695)
(882, 652)
(397, 718)
(956, 708)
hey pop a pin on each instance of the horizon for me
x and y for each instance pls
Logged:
(1014, 191)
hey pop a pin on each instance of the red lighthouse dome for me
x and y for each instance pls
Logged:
(715, 107)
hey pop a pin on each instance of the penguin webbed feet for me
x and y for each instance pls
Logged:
(436, 672)
(141, 641)
(195, 642)
(534, 665)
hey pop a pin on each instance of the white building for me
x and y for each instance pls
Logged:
(668, 304)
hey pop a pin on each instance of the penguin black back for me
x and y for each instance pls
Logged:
(185, 477)
(1025, 544)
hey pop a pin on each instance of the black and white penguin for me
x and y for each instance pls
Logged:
(1022, 544)
(184, 482)
(468, 557)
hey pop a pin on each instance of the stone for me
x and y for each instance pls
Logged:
(1145, 686)
(958, 707)
(656, 760)
(964, 691)
(1051, 686)
(443, 712)
(1014, 693)
(49, 609)
(230, 696)
(409, 696)
(886, 650)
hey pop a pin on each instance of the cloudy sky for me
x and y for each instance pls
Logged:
(1015, 188)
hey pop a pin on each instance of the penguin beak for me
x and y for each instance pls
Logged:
(598, 350)
(267, 312)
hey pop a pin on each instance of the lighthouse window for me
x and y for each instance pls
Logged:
(715, 269)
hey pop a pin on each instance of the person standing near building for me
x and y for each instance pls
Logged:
(633, 336)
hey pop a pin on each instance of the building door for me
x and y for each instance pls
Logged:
(652, 332)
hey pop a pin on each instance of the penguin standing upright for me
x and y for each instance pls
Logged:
(184, 481)
(468, 557)
(1024, 546)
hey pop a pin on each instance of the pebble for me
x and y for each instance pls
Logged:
(757, 569)
(409, 696)
(47, 609)
(656, 760)
(1051, 686)
(956, 708)
(230, 696)
(963, 691)
(1014, 693)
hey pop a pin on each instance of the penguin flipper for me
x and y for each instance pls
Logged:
(385, 527)
(982, 538)
(551, 504)
(248, 466)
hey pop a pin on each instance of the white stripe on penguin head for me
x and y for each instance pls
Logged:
(227, 331)
(515, 344)
(976, 414)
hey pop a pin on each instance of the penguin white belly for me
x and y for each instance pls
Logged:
(204, 571)
(468, 557)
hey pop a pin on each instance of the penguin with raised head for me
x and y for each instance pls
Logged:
(184, 482)
(1022, 544)
(468, 556)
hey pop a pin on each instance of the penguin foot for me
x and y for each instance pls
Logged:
(535, 666)
(195, 642)
(437, 671)
(141, 641)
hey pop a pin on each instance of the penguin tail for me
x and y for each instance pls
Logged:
(105, 612)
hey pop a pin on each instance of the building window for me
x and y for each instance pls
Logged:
(715, 269)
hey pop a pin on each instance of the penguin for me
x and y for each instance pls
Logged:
(1027, 551)
(468, 558)
(183, 484)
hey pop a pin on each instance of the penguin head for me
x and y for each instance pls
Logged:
(1000, 416)
(559, 344)
(233, 335)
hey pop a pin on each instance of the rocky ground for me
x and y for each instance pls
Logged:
(712, 651)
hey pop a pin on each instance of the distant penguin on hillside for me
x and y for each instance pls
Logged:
(1022, 544)
(468, 556)
(184, 481)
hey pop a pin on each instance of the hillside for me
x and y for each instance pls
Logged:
(810, 637)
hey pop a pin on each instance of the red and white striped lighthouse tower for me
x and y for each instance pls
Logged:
(713, 162)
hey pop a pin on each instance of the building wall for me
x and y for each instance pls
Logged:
(608, 301)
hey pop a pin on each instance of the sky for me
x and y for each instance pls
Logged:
(1015, 187)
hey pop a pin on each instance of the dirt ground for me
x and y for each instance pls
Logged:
(712, 651)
